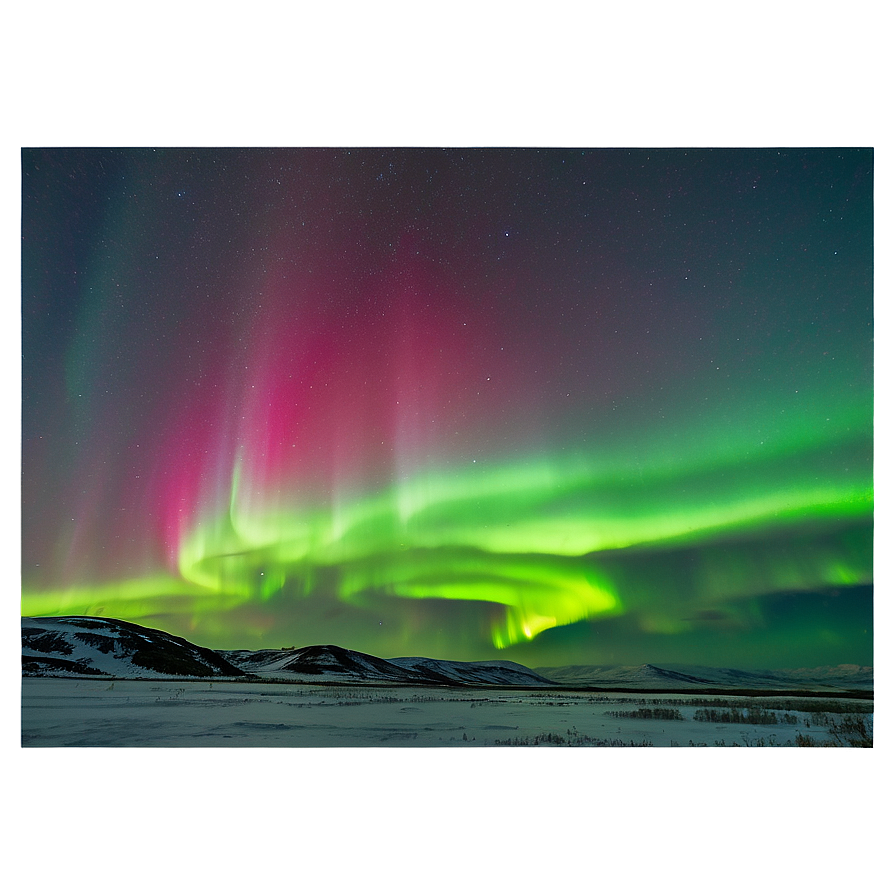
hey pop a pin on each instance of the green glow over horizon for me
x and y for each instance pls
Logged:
(537, 540)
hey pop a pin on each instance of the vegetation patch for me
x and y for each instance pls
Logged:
(853, 731)
(32, 665)
(45, 642)
(664, 713)
(103, 643)
(748, 715)
(170, 662)
(572, 738)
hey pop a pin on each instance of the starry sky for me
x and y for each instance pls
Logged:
(549, 405)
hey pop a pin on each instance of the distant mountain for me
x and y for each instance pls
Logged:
(845, 675)
(644, 676)
(835, 678)
(72, 646)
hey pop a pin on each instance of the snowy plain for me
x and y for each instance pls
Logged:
(68, 712)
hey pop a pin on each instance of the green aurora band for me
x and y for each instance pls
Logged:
(545, 544)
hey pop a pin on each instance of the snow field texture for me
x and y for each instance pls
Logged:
(141, 713)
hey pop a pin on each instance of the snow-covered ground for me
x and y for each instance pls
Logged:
(140, 713)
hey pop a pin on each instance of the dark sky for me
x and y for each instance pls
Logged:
(561, 406)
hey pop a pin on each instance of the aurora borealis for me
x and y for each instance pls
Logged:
(561, 406)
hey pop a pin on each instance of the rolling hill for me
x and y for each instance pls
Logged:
(86, 646)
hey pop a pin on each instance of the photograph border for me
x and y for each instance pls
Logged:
(440, 73)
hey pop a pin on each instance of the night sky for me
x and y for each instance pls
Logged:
(555, 406)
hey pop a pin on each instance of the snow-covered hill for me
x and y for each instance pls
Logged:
(72, 646)
(322, 662)
(337, 663)
(484, 672)
(835, 678)
(77, 646)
